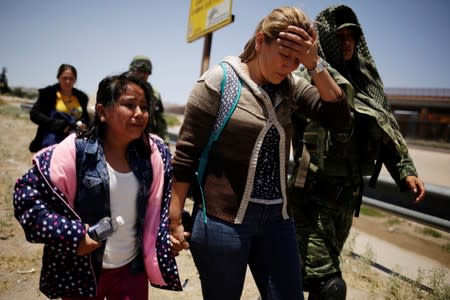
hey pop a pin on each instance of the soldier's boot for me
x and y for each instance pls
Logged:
(334, 289)
(330, 288)
(314, 295)
(314, 287)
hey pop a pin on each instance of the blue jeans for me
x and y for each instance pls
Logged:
(264, 241)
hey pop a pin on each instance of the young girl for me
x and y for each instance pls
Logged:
(114, 168)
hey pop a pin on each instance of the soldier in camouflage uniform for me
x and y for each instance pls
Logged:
(326, 198)
(141, 66)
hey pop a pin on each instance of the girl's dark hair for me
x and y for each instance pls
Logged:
(108, 93)
(64, 67)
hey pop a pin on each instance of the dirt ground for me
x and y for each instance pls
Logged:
(20, 261)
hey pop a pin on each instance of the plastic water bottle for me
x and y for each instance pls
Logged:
(105, 228)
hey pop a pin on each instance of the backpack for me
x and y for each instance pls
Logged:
(230, 92)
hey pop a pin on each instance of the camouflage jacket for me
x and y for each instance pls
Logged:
(158, 124)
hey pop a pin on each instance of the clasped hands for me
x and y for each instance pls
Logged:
(178, 238)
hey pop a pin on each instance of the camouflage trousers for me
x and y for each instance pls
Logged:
(323, 218)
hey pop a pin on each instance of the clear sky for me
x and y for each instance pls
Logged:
(409, 40)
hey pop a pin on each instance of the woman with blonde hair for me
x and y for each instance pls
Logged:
(243, 220)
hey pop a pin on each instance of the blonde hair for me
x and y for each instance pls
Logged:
(278, 20)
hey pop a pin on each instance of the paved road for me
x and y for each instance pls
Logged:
(433, 166)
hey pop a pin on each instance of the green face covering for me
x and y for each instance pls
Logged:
(370, 98)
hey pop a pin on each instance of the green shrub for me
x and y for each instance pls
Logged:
(371, 212)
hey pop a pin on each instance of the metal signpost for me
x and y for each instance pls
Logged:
(206, 16)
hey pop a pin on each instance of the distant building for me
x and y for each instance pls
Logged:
(422, 113)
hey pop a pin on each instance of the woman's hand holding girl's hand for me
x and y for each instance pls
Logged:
(178, 237)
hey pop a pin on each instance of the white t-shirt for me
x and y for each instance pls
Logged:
(121, 247)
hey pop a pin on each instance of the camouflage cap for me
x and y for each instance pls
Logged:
(347, 25)
(354, 27)
(141, 63)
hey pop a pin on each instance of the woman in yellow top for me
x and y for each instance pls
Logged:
(59, 110)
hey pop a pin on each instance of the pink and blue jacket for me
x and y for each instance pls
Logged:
(67, 187)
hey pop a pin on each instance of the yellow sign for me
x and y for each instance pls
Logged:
(206, 16)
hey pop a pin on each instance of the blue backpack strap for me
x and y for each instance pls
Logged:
(230, 92)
